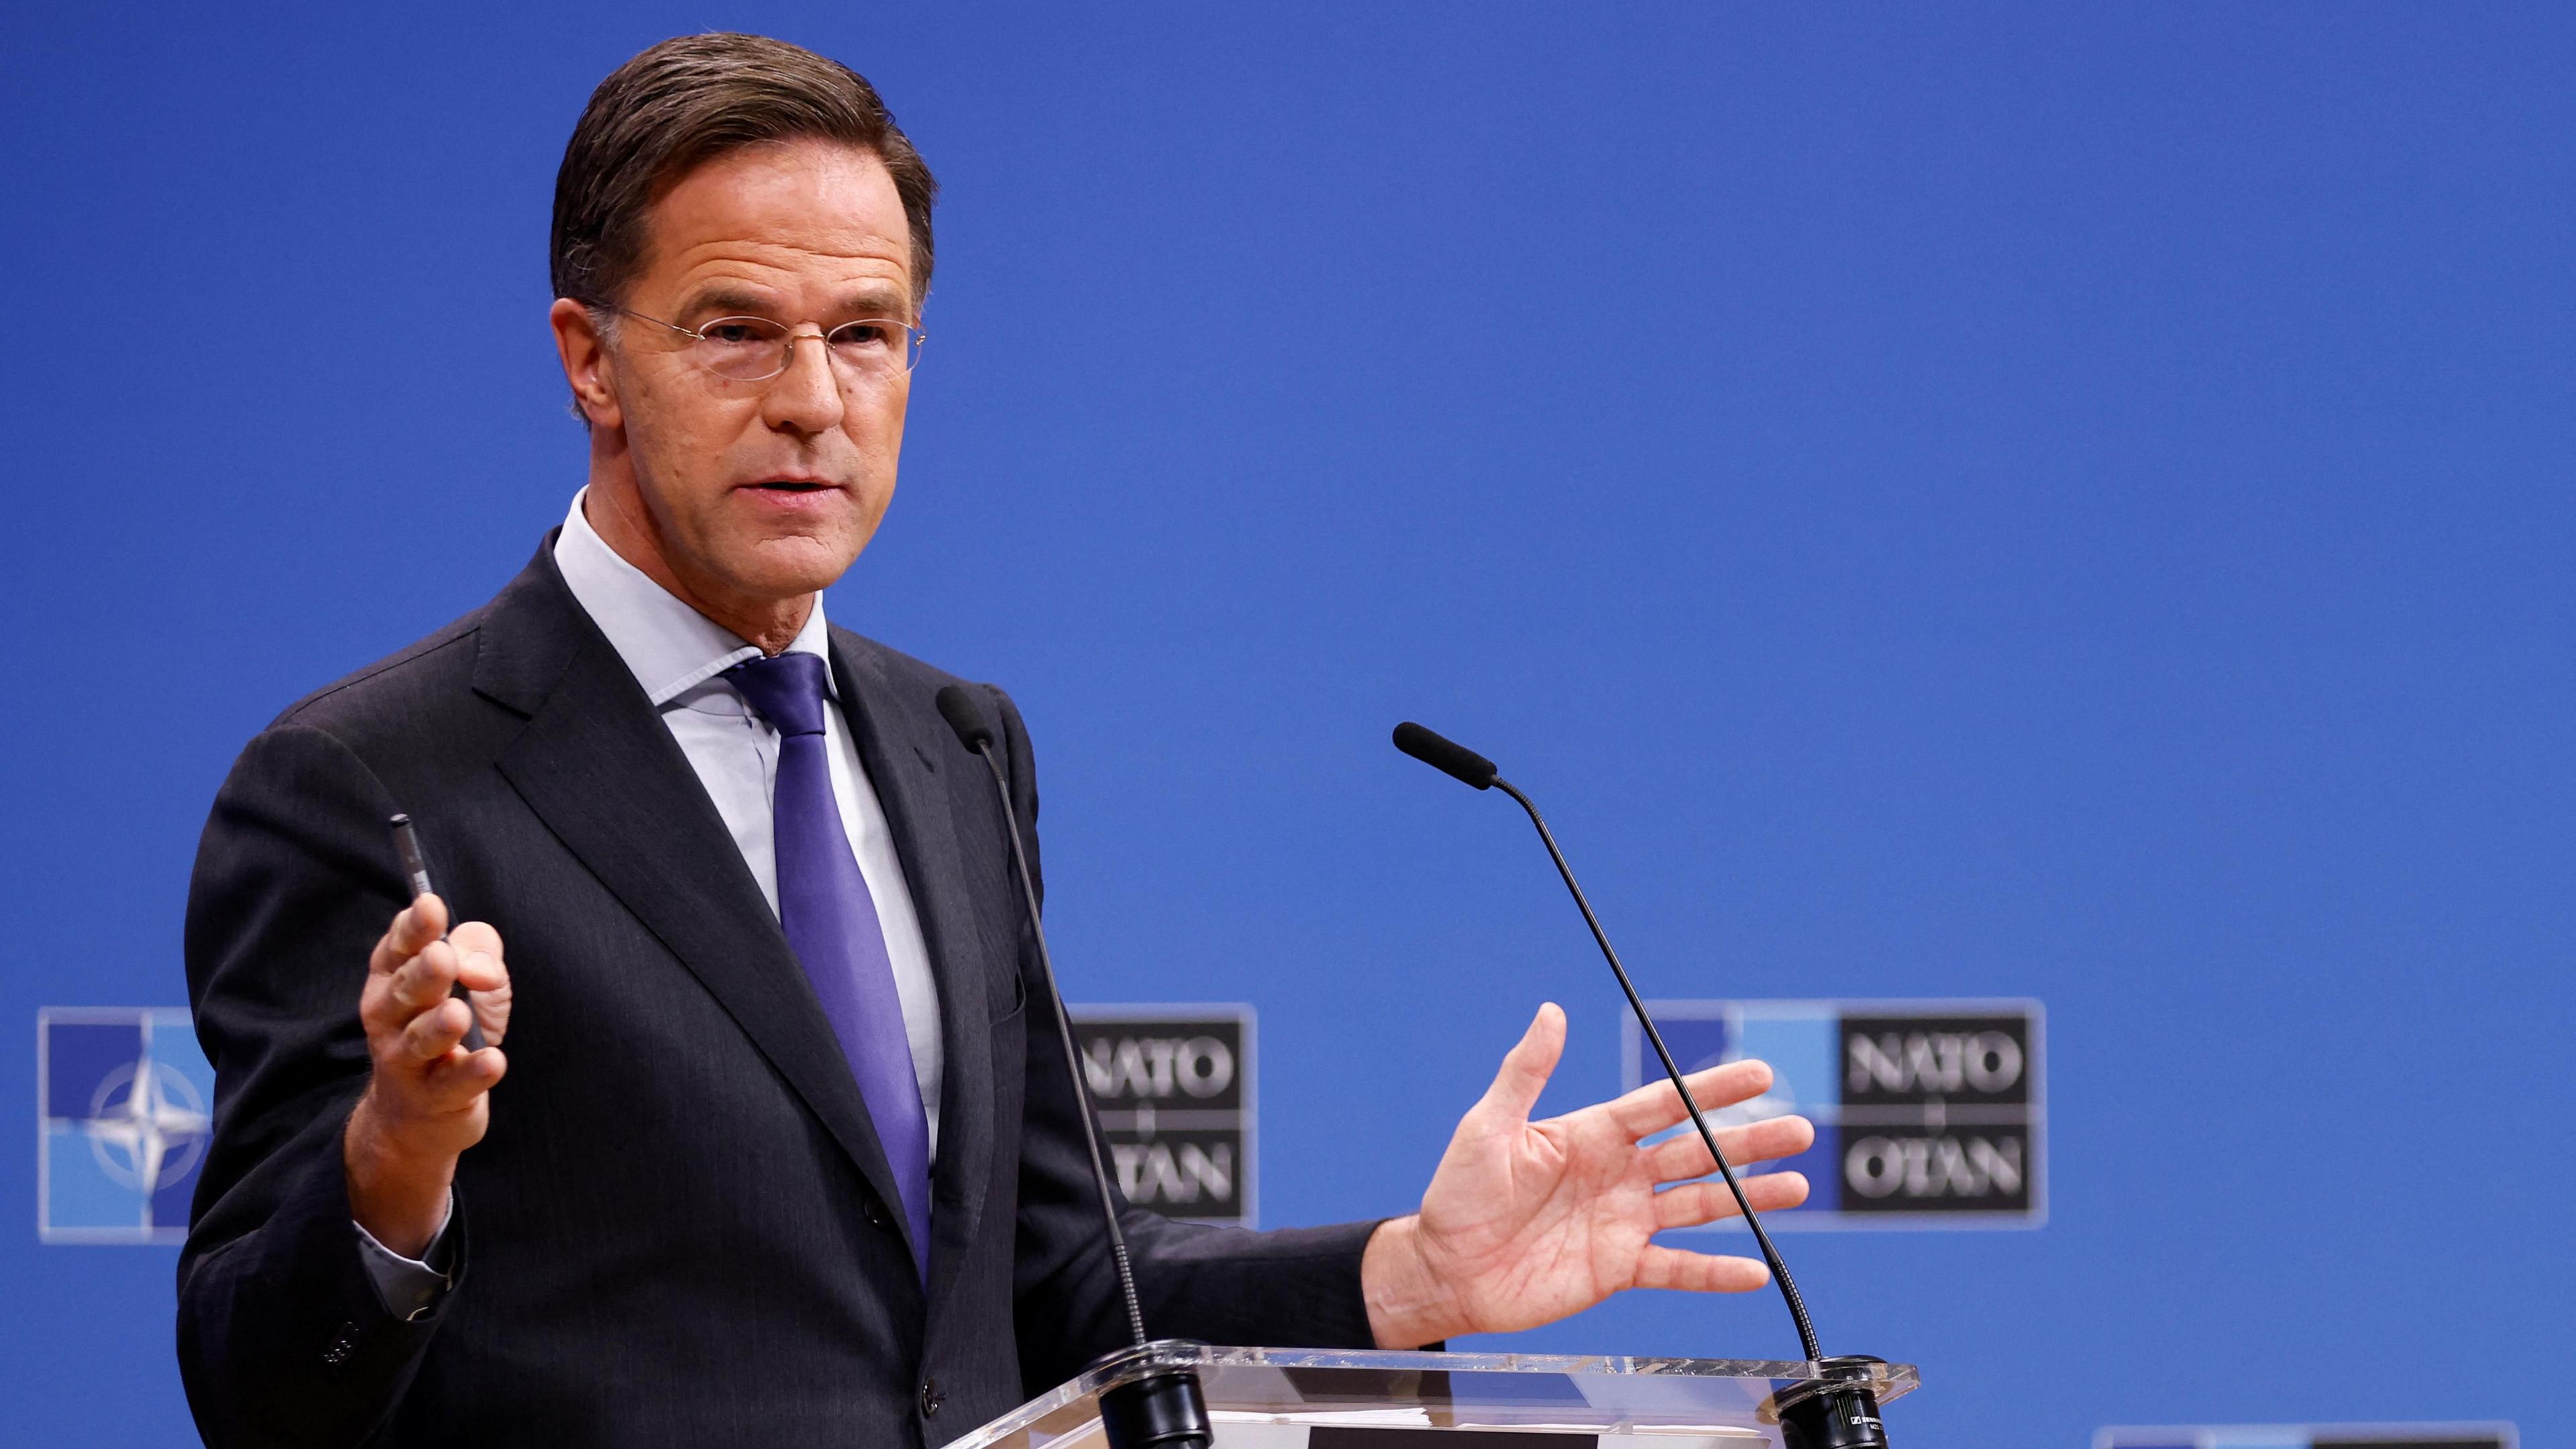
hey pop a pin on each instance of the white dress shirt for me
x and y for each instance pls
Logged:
(679, 656)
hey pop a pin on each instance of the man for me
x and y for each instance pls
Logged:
(780, 1157)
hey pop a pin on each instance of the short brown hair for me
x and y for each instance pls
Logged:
(681, 104)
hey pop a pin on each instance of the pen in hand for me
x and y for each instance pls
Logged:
(416, 866)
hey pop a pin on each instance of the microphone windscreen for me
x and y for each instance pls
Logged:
(957, 706)
(1447, 756)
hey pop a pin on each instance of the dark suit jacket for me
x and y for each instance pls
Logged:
(677, 1231)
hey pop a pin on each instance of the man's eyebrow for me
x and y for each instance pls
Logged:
(876, 302)
(725, 301)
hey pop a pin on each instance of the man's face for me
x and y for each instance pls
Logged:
(761, 491)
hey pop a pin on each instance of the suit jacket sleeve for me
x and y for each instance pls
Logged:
(1289, 1287)
(283, 1339)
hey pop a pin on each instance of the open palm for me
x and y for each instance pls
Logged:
(1526, 1222)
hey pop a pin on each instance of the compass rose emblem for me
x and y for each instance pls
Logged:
(146, 1123)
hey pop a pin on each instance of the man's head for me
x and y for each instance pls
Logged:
(721, 176)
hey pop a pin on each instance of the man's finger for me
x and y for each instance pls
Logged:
(385, 959)
(413, 927)
(469, 937)
(478, 965)
(1527, 1065)
(1685, 1156)
(467, 1074)
(425, 979)
(421, 922)
(391, 951)
(391, 1001)
(1694, 1203)
(1662, 1267)
(492, 1012)
(429, 1035)
(1655, 1106)
(454, 1082)
(482, 971)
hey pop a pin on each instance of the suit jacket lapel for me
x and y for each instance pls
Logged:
(901, 743)
(603, 772)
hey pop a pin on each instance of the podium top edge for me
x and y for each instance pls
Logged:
(1127, 1365)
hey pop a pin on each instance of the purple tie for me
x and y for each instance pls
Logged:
(831, 923)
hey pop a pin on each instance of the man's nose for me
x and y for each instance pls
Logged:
(806, 398)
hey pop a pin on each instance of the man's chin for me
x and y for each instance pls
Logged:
(794, 565)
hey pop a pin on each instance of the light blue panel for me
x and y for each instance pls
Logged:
(78, 1193)
(1803, 1052)
(174, 1044)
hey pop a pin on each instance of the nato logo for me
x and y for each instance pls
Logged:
(2311, 1436)
(125, 1102)
(1174, 1089)
(1929, 1114)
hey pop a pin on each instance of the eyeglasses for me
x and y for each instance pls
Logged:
(756, 349)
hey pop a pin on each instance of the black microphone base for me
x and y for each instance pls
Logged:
(1163, 1410)
(1842, 1415)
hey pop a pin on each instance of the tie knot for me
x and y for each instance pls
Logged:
(787, 690)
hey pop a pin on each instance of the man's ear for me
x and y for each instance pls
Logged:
(586, 363)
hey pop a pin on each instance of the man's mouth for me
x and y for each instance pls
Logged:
(793, 485)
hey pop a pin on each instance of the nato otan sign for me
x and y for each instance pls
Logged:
(1929, 1114)
(2311, 1436)
(1174, 1088)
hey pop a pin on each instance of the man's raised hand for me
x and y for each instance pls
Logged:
(427, 1098)
(1526, 1222)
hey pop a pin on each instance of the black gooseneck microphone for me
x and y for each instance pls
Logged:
(1844, 1415)
(1165, 1409)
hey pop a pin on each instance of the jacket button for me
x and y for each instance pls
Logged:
(931, 1397)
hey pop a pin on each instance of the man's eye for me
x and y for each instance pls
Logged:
(734, 334)
(860, 334)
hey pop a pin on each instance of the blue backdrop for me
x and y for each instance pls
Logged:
(2018, 501)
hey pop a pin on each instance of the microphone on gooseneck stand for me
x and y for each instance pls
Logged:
(1843, 1414)
(1163, 1410)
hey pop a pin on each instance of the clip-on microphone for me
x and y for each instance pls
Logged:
(1844, 1413)
(1163, 1410)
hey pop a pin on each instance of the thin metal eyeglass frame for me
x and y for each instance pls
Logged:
(914, 337)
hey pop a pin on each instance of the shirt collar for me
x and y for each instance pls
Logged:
(668, 646)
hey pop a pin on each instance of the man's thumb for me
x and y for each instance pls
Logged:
(1527, 1065)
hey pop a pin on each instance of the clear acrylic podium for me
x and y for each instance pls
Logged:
(1302, 1398)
